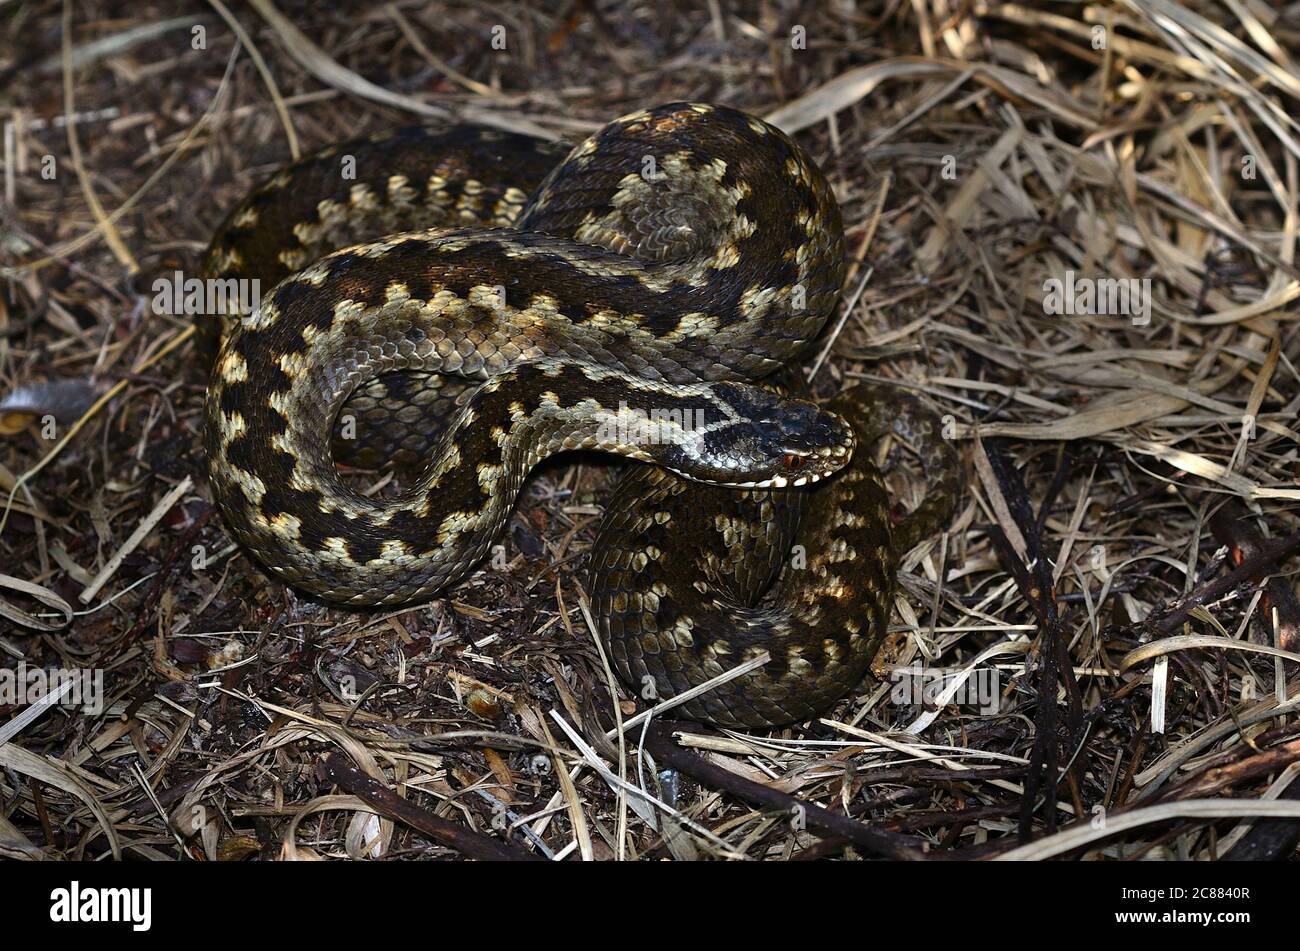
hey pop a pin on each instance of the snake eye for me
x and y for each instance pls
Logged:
(793, 462)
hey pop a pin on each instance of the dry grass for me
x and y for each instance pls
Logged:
(1120, 467)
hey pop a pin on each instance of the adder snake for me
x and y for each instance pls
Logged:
(639, 297)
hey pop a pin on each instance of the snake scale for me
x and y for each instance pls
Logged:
(470, 302)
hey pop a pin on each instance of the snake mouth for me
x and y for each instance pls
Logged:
(785, 460)
(781, 482)
(774, 482)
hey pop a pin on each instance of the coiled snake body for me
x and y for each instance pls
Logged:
(627, 298)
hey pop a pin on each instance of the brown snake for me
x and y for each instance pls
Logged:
(628, 299)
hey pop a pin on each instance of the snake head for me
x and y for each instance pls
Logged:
(765, 440)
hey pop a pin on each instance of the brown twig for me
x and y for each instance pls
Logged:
(1269, 554)
(1034, 581)
(1216, 779)
(1231, 526)
(659, 742)
(388, 803)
